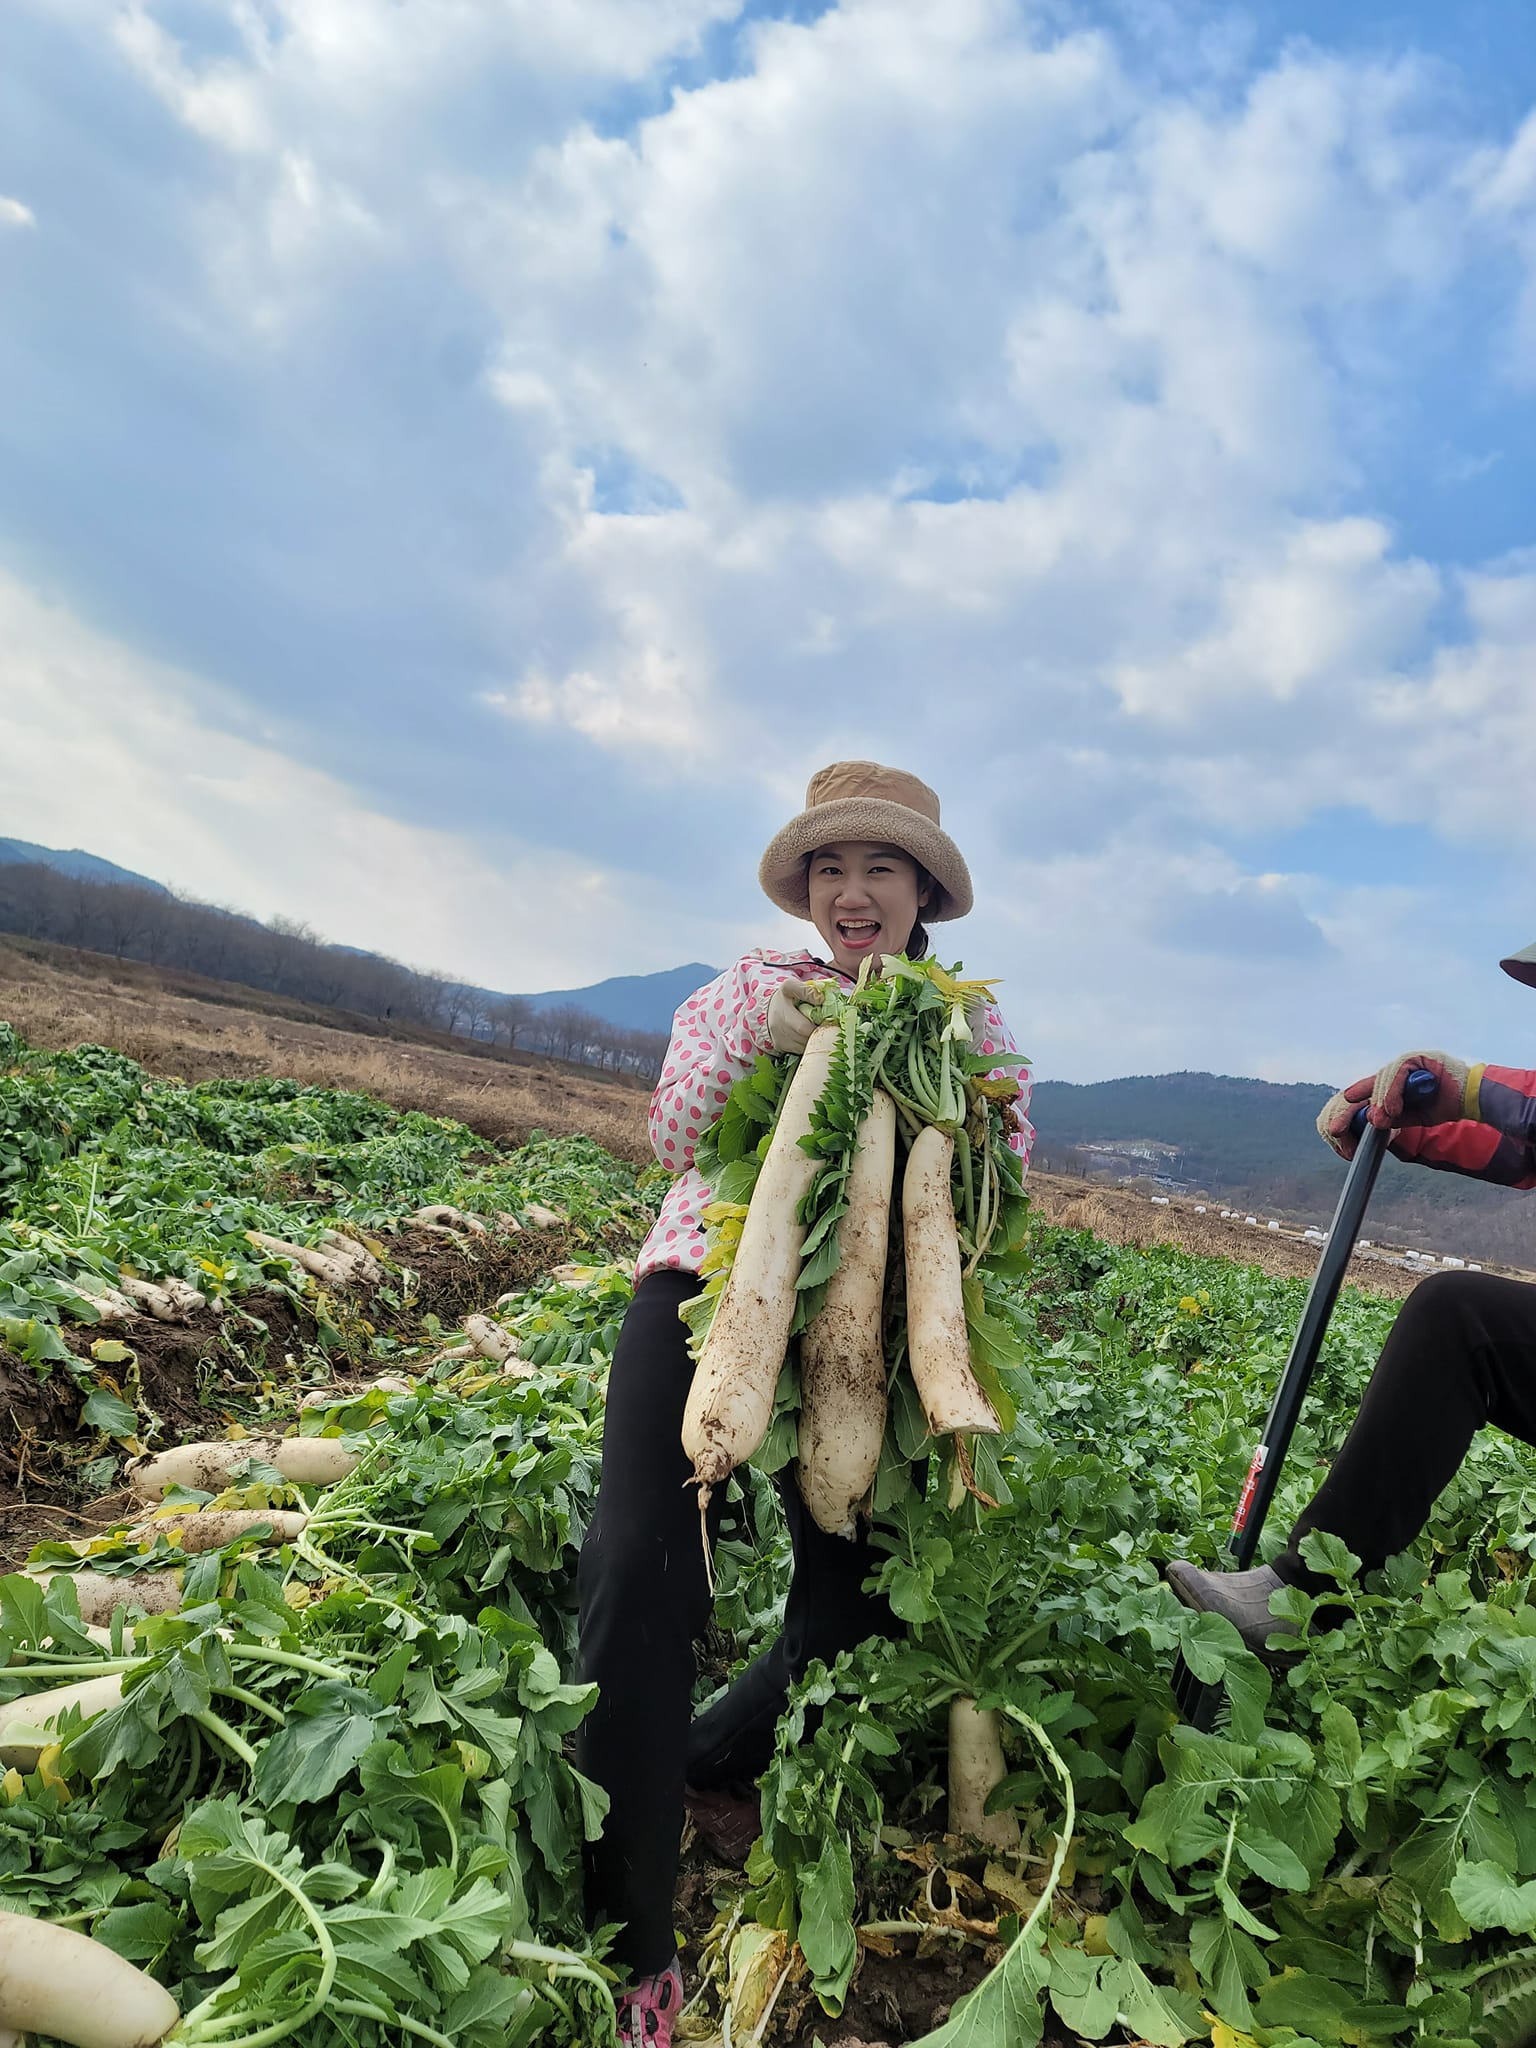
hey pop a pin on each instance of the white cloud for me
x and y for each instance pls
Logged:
(140, 764)
(15, 214)
(938, 386)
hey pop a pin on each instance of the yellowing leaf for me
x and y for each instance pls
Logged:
(1223, 2036)
(48, 1771)
(111, 1351)
(13, 1785)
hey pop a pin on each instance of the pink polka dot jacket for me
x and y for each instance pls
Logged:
(716, 1035)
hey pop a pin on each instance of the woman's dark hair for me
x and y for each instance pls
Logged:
(918, 942)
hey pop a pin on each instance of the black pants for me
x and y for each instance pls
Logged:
(1461, 1353)
(645, 1602)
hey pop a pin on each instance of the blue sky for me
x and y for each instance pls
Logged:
(462, 468)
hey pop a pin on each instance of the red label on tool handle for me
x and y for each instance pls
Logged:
(1250, 1484)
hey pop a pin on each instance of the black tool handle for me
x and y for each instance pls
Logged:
(1280, 1424)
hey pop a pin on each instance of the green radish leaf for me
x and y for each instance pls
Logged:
(826, 1935)
(109, 1413)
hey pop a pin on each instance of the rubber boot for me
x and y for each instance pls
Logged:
(1243, 1597)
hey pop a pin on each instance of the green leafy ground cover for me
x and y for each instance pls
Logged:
(336, 1805)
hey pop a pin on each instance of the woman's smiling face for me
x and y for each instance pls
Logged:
(865, 899)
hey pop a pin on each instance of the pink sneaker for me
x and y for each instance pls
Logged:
(647, 2010)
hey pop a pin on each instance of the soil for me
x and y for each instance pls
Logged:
(197, 1377)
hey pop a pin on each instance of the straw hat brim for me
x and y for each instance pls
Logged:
(880, 821)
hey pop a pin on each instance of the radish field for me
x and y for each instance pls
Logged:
(327, 1797)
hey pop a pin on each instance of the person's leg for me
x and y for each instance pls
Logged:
(644, 1598)
(731, 1744)
(1462, 1353)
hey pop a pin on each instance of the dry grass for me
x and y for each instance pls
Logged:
(183, 1030)
(1122, 1217)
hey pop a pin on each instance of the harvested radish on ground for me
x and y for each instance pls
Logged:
(54, 1981)
(442, 1216)
(27, 1727)
(542, 1218)
(938, 1348)
(976, 1768)
(312, 1460)
(842, 1354)
(208, 1468)
(101, 1594)
(147, 1295)
(335, 1397)
(730, 1401)
(200, 1529)
(350, 1249)
(110, 1305)
(489, 1340)
(333, 1271)
(201, 1468)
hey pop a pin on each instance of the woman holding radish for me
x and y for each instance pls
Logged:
(867, 862)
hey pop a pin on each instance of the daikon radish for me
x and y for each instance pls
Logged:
(842, 1353)
(489, 1340)
(56, 1982)
(201, 1529)
(542, 1218)
(202, 1468)
(443, 1214)
(110, 1305)
(149, 1296)
(208, 1468)
(341, 1246)
(28, 1726)
(100, 1594)
(335, 1397)
(730, 1401)
(938, 1348)
(312, 1460)
(976, 1768)
(334, 1272)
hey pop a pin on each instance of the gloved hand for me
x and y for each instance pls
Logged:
(789, 1029)
(1387, 1109)
(976, 1015)
(1448, 1104)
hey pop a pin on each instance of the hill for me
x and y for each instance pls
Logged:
(79, 900)
(1256, 1143)
(634, 1002)
(80, 867)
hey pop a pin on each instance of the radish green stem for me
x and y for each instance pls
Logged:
(293, 1660)
(251, 1699)
(357, 2010)
(280, 2029)
(221, 1731)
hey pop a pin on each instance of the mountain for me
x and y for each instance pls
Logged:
(1208, 1130)
(1256, 1143)
(83, 867)
(635, 1002)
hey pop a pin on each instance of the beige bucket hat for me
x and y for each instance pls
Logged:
(863, 800)
(1522, 966)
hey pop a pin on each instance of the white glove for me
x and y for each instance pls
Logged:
(789, 1029)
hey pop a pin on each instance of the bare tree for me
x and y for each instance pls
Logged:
(511, 1018)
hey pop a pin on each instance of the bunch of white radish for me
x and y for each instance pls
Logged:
(808, 1254)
